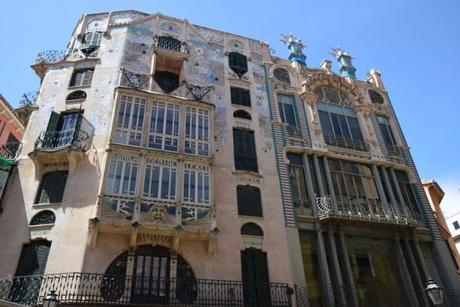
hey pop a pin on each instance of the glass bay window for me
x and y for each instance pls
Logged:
(164, 126)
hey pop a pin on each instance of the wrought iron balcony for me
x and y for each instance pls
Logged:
(98, 289)
(51, 56)
(29, 98)
(170, 43)
(77, 139)
(10, 150)
(346, 142)
(293, 131)
(395, 151)
(367, 210)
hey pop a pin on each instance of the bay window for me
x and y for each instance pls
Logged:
(197, 131)
(164, 126)
(196, 183)
(122, 175)
(160, 179)
(130, 121)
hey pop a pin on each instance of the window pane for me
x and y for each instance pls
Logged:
(325, 123)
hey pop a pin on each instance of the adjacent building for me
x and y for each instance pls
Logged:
(453, 223)
(169, 163)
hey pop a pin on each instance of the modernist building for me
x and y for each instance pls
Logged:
(169, 163)
(148, 169)
(357, 218)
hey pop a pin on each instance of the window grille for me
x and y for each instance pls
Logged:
(252, 229)
(43, 217)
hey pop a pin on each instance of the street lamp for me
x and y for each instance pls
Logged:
(434, 292)
(51, 299)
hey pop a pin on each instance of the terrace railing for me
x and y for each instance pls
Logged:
(346, 143)
(99, 289)
(75, 138)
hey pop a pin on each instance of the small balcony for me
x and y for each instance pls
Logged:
(346, 143)
(10, 151)
(170, 44)
(80, 289)
(395, 151)
(46, 58)
(364, 210)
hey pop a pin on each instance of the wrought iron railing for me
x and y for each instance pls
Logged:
(346, 142)
(170, 43)
(395, 151)
(29, 98)
(301, 204)
(10, 150)
(50, 56)
(95, 289)
(364, 210)
(293, 131)
(72, 138)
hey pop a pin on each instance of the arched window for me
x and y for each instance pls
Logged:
(242, 114)
(331, 95)
(76, 96)
(43, 217)
(251, 229)
(376, 97)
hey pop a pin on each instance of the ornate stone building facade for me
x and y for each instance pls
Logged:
(359, 223)
(148, 169)
(168, 163)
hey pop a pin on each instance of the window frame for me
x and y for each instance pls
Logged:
(386, 130)
(238, 63)
(119, 163)
(86, 77)
(282, 109)
(164, 166)
(43, 183)
(249, 201)
(245, 159)
(167, 141)
(197, 139)
(240, 96)
(194, 170)
(129, 126)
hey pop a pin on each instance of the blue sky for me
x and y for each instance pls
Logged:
(415, 45)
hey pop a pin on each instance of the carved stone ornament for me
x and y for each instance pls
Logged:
(197, 91)
(135, 80)
(253, 242)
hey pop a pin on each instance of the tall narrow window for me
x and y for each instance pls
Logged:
(286, 109)
(51, 189)
(197, 183)
(407, 193)
(164, 126)
(81, 77)
(238, 63)
(385, 129)
(297, 180)
(160, 179)
(244, 149)
(248, 199)
(240, 96)
(340, 126)
(130, 121)
(197, 131)
(122, 175)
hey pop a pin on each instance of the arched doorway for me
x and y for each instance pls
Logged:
(159, 276)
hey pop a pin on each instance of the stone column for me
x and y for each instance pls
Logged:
(404, 272)
(324, 269)
(329, 182)
(349, 273)
(337, 273)
(402, 204)
(309, 182)
(153, 63)
(129, 282)
(394, 203)
(312, 115)
(413, 267)
(363, 113)
(378, 182)
(419, 255)
(318, 176)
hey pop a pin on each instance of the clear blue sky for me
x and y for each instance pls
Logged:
(415, 44)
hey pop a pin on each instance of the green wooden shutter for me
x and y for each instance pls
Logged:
(53, 123)
(33, 258)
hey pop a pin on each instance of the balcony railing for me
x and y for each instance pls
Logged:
(76, 138)
(10, 150)
(99, 289)
(293, 131)
(346, 142)
(395, 151)
(29, 98)
(51, 56)
(170, 43)
(364, 210)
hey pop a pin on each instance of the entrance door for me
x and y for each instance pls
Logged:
(31, 264)
(151, 275)
(256, 285)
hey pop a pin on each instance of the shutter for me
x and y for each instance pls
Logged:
(251, 151)
(261, 278)
(33, 258)
(87, 75)
(53, 123)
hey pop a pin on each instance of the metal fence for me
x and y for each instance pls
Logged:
(95, 289)
(55, 140)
